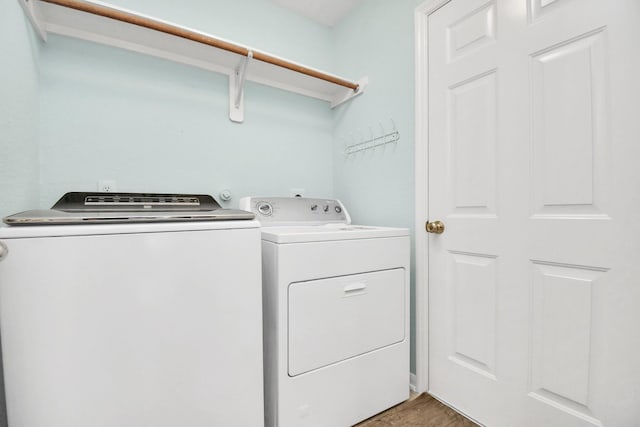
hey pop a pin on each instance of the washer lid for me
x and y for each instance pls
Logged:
(328, 232)
(117, 208)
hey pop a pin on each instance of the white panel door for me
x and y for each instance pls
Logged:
(534, 286)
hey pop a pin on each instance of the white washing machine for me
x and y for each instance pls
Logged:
(336, 313)
(146, 317)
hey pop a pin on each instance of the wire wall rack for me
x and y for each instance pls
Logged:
(385, 137)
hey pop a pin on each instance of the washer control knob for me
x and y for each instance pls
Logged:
(325, 208)
(264, 208)
(338, 209)
(314, 207)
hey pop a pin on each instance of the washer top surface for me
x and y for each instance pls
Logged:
(301, 220)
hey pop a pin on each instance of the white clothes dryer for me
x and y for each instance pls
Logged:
(336, 313)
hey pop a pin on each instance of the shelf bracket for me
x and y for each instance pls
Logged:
(346, 94)
(236, 90)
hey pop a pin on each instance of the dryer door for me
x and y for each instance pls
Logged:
(342, 317)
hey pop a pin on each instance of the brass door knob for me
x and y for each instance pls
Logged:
(436, 227)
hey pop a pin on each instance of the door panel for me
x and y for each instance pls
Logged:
(473, 320)
(472, 32)
(569, 127)
(472, 117)
(562, 333)
(533, 133)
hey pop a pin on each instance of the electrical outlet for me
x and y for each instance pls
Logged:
(106, 185)
(296, 192)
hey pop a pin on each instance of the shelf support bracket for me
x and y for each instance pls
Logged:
(345, 94)
(236, 90)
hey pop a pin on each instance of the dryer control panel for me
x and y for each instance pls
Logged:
(295, 210)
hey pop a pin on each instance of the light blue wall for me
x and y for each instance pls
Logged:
(377, 39)
(156, 126)
(19, 172)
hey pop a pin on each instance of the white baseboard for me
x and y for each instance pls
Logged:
(412, 382)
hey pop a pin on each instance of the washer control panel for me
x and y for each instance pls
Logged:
(292, 210)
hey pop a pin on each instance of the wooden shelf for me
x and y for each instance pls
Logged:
(102, 23)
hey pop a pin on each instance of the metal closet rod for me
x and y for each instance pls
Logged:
(196, 37)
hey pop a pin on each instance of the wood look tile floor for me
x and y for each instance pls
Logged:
(419, 411)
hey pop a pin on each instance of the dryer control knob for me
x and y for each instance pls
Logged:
(264, 208)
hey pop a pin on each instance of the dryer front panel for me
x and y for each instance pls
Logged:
(330, 320)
